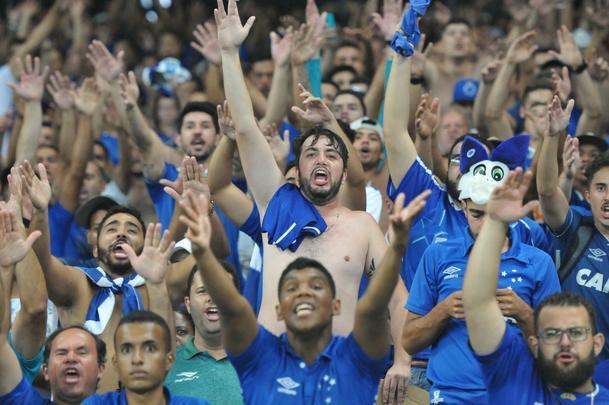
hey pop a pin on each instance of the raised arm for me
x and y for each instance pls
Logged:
(239, 325)
(520, 51)
(152, 264)
(261, 171)
(30, 88)
(85, 100)
(279, 98)
(207, 45)
(485, 322)
(401, 151)
(554, 204)
(29, 327)
(234, 203)
(426, 122)
(59, 87)
(489, 74)
(13, 248)
(570, 164)
(370, 328)
(586, 93)
(64, 284)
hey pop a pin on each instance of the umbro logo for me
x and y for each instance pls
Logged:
(451, 272)
(596, 254)
(186, 376)
(287, 386)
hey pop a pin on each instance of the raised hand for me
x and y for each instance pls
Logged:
(570, 156)
(231, 33)
(597, 11)
(151, 263)
(490, 71)
(225, 122)
(196, 218)
(306, 42)
(13, 244)
(569, 53)
(86, 97)
(392, 14)
(316, 112)
(280, 147)
(281, 47)
(522, 48)
(562, 85)
(401, 217)
(506, 201)
(31, 79)
(427, 116)
(192, 177)
(207, 42)
(106, 65)
(559, 118)
(60, 89)
(37, 188)
(130, 91)
(419, 58)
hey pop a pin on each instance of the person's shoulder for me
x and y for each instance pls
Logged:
(184, 400)
(102, 399)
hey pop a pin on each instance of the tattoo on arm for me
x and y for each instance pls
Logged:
(372, 268)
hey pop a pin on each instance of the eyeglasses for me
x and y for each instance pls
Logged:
(455, 160)
(575, 333)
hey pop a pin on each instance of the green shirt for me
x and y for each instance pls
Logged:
(197, 374)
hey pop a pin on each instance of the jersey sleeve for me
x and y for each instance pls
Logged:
(257, 356)
(369, 367)
(423, 291)
(566, 234)
(547, 282)
(29, 367)
(251, 227)
(163, 203)
(417, 179)
(22, 394)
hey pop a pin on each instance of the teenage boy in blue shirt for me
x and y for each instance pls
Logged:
(558, 363)
(309, 364)
(588, 277)
(435, 302)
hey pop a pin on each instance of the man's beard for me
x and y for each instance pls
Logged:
(452, 189)
(570, 379)
(105, 257)
(319, 196)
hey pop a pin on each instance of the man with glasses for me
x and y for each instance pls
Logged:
(559, 366)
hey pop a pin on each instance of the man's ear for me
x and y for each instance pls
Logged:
(336, 306)
(521, 112)
(170, 361)
(599, 343)
(278, 312)
(45, 371)
(533, 345)
(587, 195)
(187, 303)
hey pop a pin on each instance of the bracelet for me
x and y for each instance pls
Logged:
(579, 69)
(212, 205)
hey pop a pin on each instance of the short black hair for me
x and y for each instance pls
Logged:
(340, 69)
(121, 209)
(100, 345)
(103, 146)
(302, 263)
(566, 299)
(331, 83)
(146, 317)
(480, 139)
(597, 164)
(539, 82)
(199, 106)
(230, 269)
(457, 20)
(356, 94)
(346, 43)
(316, 133)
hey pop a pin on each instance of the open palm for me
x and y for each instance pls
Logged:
(152, 261)
(13, 245)
(506, 202)
(231, 33)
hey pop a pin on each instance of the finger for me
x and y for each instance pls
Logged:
(131, 255)
(299, 112)
(164, 243)
(28, 64)
(399, 203)
(148, 234)
(156, 235)
(386, 389)
(249, 23)
(32, 238)
(401, 389)
(42, 172)
(172, 193)
(192, 225)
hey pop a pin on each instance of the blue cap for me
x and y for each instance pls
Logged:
(466, 90)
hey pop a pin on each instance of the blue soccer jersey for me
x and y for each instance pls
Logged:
(453, 369)
(512, 377)
(271, 373)
(589, 277)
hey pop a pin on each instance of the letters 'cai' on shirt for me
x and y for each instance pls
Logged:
(452, 368)
(589, 277)
(272, 374)
(512, 377)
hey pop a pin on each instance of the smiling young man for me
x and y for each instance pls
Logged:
(558, 364)
(143, 357)
(307, 364)
(589, 275)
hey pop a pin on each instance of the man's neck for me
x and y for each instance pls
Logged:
(370, 174)
(111, 274)
(457, 67)
(586, 388)
(211, 344)
(311, 345)
(603, 229)
(155, 396)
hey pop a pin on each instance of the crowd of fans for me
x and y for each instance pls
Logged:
(271, 202)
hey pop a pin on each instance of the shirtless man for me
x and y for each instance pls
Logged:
(351, 244)
(84, 295)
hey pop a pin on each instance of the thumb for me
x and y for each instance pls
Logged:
(172, 193)
(249, 23)
(130, 252)
(300, 112)
(530, 206)
(32, 238)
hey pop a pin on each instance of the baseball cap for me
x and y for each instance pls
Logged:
(368, 123)
(466, 90)
(588, 138)
(84, 212)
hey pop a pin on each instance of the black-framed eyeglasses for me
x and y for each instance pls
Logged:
(554, 335)
(455, 160)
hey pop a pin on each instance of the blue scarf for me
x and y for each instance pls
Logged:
(405, 40)
(290, 217)
(102, 304)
